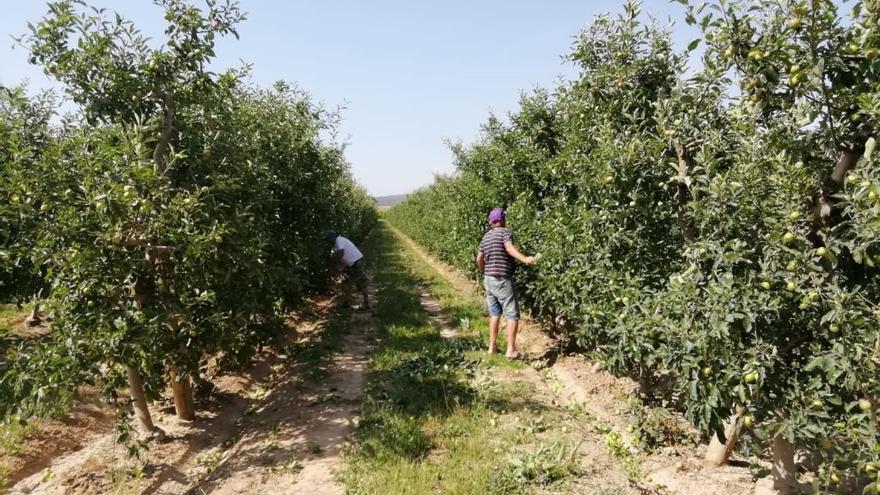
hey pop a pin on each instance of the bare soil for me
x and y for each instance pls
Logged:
(262, 431)
(89, 420)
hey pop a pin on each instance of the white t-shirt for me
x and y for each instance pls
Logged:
(352, 253)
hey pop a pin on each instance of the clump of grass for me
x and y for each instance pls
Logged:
(385, 435)
(5, 471)
(615, 445)
(292, 466)
(8, 312)
(658, 427)
(544, 466)
(13, 433)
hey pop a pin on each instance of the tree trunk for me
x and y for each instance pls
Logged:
(136, 382)
(718, 453)
(648, 382)
(784, 471)
(34, 319)
(168, 113)
(824, 200)
(139, 402)
(183, 396)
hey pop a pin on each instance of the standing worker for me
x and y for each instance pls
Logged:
(495, 260)
(346, 253)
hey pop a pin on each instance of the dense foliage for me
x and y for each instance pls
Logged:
(25, 133)
(712, 233)
(177, 218)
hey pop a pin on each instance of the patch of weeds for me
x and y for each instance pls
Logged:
(315, 448)
(488, 361)
(427, 381)
(535, 425)
(209, 461)
(121, 475)
(47, 474)
(5, 471)
(578, 410)
(13, 433)
(259, 393)
(539, 364)
(384, 435)
(758, 469)
(312, 356)
(8, 312)
(658, 427)
(272, 441)
(291, 466)
(615, 445)
(276, 371)
(546, 465)
(508, 396)
(229, 443)
(137, 472)
(252, 408)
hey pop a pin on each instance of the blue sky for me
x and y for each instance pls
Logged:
(410, 74)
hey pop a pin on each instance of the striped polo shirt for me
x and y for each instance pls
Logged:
(498, 263)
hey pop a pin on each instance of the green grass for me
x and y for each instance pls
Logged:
(9, 311)
(436, 418)
(12, 436)
(466, 312)
(12, 443)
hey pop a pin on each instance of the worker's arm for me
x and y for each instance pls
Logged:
(481, 261)
(513, 251)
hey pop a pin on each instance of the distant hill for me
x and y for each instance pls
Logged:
(389, 201)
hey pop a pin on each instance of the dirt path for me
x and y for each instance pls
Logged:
(294, 442)
(277, 428)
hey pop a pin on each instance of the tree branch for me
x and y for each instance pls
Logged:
(683, 192)
(168, 112)
(846, 161)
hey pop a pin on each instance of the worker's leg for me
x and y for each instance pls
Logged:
(494, 307)
(494, 323)
(506, 294)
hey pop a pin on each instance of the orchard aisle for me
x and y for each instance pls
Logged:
(440, 416)
(297, 443)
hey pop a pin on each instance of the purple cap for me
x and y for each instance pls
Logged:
(496, 215)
